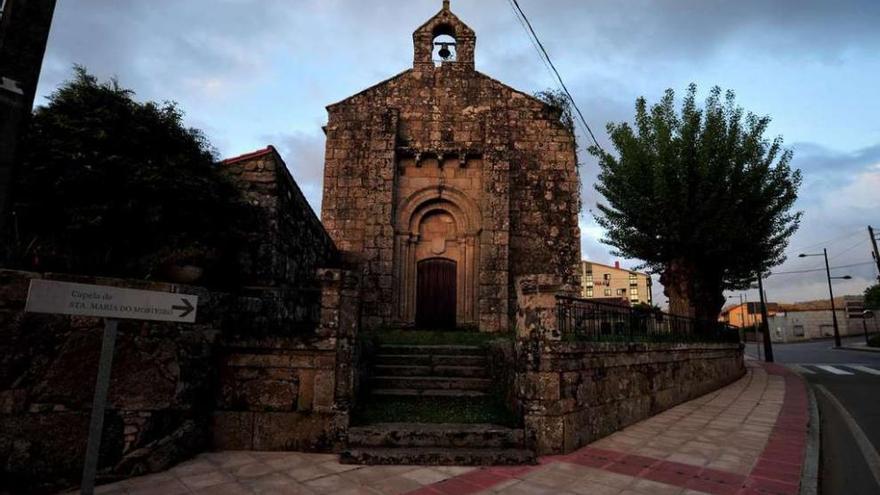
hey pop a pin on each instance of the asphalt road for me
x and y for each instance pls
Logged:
(847, 388)
(819, 352)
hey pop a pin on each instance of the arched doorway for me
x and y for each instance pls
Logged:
(437, 226)
(436, 293)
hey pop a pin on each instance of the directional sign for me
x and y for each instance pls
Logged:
(50, 296)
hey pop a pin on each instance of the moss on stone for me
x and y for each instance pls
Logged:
(460, 410)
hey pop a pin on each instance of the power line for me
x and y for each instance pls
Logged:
(829, 241)
(556, 72)
(531, 40)
(841, 253)
(820, 269)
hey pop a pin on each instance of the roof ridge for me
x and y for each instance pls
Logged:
(252, 154)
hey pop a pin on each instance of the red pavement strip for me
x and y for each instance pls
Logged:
(777, 472)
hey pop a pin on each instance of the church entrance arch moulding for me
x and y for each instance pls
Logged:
(437, 222)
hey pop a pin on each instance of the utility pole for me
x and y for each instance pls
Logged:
(24, 31)
(765, 325)
(831, 293)
(876, 253)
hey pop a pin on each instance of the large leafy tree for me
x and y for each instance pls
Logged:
(700, 195)
(108, 185)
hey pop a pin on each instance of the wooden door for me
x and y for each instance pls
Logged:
(435, 293)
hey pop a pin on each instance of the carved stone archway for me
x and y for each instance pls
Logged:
(437, 222)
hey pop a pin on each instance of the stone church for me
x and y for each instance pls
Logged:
(446, 185)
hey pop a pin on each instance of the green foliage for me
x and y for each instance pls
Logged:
(872, 297)
(111, 186)
(701, 189)
(558, 100)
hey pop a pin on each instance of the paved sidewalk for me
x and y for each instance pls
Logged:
(746, 438)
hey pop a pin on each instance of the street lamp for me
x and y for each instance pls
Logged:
(830, 292)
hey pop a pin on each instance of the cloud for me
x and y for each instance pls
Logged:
(304, 155)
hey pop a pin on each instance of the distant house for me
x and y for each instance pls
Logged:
(606, 283)
(747, 314)
(812, 320)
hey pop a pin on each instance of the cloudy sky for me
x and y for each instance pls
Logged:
(257, 72)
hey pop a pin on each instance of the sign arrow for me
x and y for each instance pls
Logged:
(187, 308)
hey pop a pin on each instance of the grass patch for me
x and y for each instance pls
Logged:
(433, 410)
(426, 337)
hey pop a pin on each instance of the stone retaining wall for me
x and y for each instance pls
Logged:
(159, 398)
(292, 393)
(574, 393)
(176, 390)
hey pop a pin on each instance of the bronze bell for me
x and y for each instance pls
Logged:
(444, 52)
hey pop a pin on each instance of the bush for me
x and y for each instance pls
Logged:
(111, 186)
(874, 341)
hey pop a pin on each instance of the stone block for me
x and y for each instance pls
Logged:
(325, 389)
(542, 386)
(306, 396)
(233, 430)
(294, 431)
(548, 433)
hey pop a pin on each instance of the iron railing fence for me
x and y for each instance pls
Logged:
(594, 321)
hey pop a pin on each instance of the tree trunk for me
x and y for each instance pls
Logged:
(677, 286)
(692, 292)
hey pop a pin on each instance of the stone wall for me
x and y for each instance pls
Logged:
(284, 250)
(291, 393)
(175, 390)
(160, 395)
(574, 393)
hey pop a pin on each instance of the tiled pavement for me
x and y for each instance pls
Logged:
(746, 438)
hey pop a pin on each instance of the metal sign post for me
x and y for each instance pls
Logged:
(111, 303)
(96, 425)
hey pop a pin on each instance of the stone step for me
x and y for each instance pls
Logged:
(437, 456)
(447, 371)
(435, 435)
(449, 350)
(428, 360)
(430, 383)
(411, 392)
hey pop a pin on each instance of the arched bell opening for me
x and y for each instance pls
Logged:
(445, 50)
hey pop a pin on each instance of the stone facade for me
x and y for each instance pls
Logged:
(291, 241)
(280, 293)
(443, 162)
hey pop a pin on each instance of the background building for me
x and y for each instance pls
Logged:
(747, 314)
(600, 281)
(812, 320)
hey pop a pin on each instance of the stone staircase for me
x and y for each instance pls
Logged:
(430, 371)
(433, 372)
